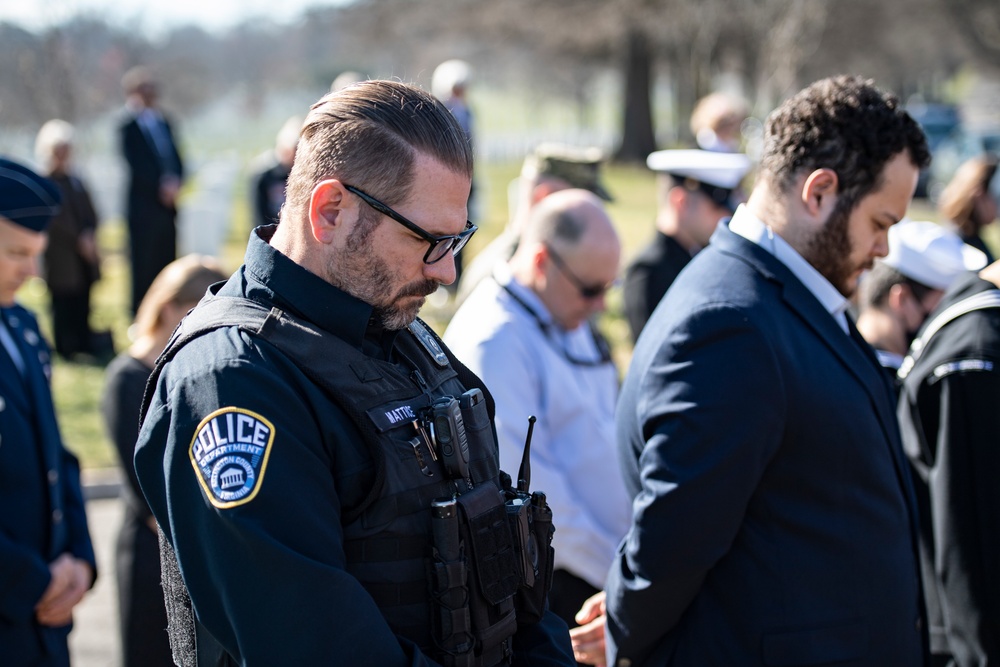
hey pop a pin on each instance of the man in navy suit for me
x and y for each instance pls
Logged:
(155, 175)
(773, 513)
(46, 558)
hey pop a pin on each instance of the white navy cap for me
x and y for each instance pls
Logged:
(724, 170)
(930, 254)
(717, 175)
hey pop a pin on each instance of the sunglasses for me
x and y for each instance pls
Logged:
(440, 246)
(586, 291)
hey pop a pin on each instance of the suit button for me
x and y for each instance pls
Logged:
(53, 476)
(624, 662)
(57, 516)
(3, 404)
(919, 625)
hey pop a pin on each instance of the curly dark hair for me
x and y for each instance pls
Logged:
(846, 124)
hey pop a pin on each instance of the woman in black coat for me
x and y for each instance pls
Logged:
(143, 616)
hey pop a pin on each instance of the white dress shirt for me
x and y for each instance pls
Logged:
(524, 359)
(747, 225)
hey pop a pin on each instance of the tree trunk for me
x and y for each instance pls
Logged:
(638, 137)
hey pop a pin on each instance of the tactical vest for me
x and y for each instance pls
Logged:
(388, 536)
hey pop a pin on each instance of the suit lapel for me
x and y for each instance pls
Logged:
(850, 349)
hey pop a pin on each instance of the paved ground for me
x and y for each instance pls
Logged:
(94, 640)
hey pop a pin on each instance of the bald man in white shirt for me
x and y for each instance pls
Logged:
(528, 333)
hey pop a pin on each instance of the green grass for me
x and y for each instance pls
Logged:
(77, 386)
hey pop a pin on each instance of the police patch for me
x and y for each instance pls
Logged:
(229, 452)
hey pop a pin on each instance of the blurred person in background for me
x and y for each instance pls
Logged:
(46, 556)
(716, 122)
(72, 264)
(143, 616)
(969, 201)
(695, 189)
(270, 174)
(156, 172)
(528, 332)
(549, 168)
(905, 286)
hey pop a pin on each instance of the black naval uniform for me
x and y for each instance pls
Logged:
(297, 544)
(950, 423)
(648, 278)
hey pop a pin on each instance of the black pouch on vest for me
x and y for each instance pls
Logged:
(496, 580)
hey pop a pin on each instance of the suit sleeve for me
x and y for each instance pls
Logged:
(709, 410)
(965, 513)
(267, 577)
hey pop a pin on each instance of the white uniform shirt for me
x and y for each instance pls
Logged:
(573, 454)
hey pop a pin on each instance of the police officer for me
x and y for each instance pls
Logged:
(46, 558)
(304, 423)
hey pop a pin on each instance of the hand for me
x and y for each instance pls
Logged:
(588, 639)
(86, 245)
(71, 579)
(170, 187)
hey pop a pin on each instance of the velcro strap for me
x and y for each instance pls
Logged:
(386, 550)
(449, 575)
(398, 595)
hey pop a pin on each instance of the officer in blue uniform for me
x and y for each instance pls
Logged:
(312, 510)
(46, 558)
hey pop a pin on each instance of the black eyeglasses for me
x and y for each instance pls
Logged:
(440, 245)
(586, 291)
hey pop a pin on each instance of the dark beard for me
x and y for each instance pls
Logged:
(829, 252)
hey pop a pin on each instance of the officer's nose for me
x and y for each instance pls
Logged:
(443, 270)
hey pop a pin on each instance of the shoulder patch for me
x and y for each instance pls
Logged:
(229, 452)
(429, 343)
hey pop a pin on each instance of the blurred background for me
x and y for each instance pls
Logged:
(622, 75)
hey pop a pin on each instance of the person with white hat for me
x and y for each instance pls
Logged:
(695, 189)
(903, 288)
(46, 556)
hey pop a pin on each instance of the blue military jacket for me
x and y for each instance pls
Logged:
(41, 504)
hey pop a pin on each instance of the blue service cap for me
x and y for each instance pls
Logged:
(26, 199)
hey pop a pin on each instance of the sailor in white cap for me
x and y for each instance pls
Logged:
(695, 190)
(902, 289)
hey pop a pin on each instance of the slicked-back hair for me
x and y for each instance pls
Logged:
(842, 123)
(368, 135)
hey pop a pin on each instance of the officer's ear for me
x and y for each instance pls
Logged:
(327, 210)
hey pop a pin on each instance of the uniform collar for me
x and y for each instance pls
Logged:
(270, 276)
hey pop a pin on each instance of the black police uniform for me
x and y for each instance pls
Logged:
(950, 423)
(648, 278)
(300, 542)
(42, 506)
